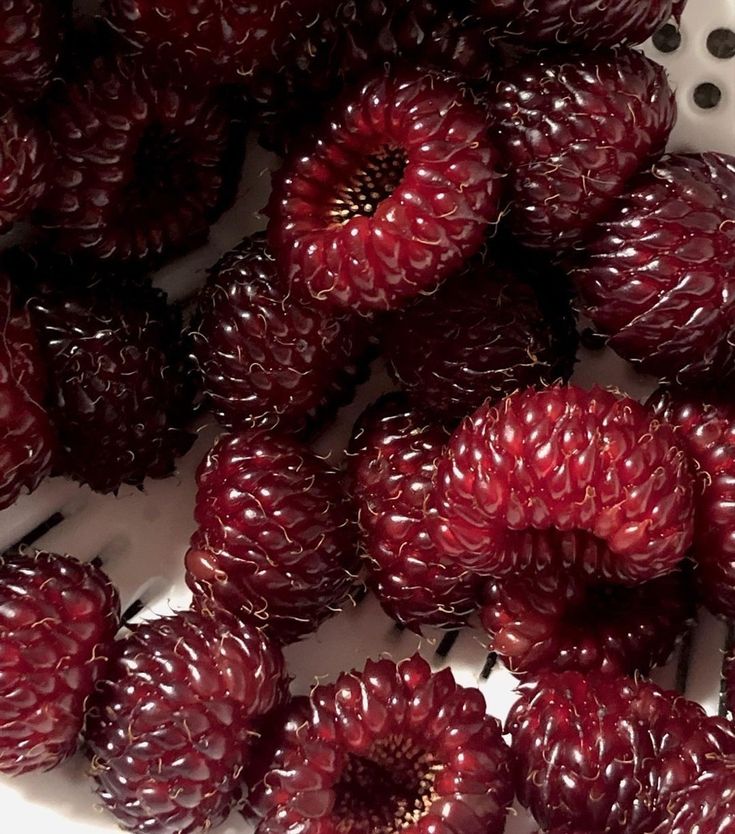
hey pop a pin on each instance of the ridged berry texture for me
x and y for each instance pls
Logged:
(594, 463)
(557, 619)
(276, 541)
(705, 424)
(27, 439)
(391, 749)
(578, 21)
(116, 376)
(168, 730)
(143, 165)
(58, 619)
(572, 130)
(264, 358)
(657, 277)
(606, 754)
(483, 335)
(393, 194)
(24, 165)
(392, 461)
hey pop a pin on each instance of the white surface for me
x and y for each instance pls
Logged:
(141, 537)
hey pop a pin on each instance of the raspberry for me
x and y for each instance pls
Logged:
(276, 540)
(392, 749)
(578, 21)
(393, 457)
(560, 620)
(264, 358)
(484, 334)
(600, 753)
(58, 619)
(213, 41)
(729, 671)
(392, 196)
(27, 440)
(167, 730)
(573, 129)
(705, 425)
(30, 39)
(707, 806)
(658, 273)
(116, 376)
(142, 164)
(592, 462)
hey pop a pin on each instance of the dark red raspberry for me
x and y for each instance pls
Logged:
(560, 620)
(729, 671)
(393, 458)
(573, 129)
(659, 274)
(58, 619)
(276, 541)
(600, 753)
(27, 440)
(264, 358)
(705, 424)
(391, 749)
(167, 732)
(140, 166)
(116, 376)
(707, 806)
(595, 463)
(392, 196)
(30, 41)
(578, 21)
(486, 333)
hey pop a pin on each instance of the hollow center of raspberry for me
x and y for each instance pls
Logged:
(387, 789)
(162, 170)
(377, 178)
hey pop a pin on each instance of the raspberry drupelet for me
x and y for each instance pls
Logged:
(58, 619)
(393, 455)
(276, 541)
(573, 129)
(705, 424)
(143, 164)
(264, 358)
(169, 729)
(594, 465)
(394, 194)
(391, 749)
(657, 276)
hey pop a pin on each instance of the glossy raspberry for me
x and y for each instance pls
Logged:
(559, 620)
(606, 754)
(573, 129)
(58, 619)
(27, 440)
(707, 806)
(168, 729)
(30, 40)
(276, 541)
(211, 41)
(392, 749)
(658, 274)
(484, 334)
(141, 164)
(393, 195)
(264, 358)
(116, 377)
(393, 457)
(578, 21)
(705, 424)
(594, 463)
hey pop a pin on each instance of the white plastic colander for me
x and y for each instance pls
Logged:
(140, 537)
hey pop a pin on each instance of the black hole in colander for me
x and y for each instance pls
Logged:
(707, 95)
(667, 39)
(721, 43)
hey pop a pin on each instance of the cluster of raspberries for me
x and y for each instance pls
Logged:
(459, 182)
